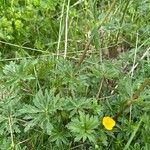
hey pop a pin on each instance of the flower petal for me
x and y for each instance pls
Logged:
(108, 122)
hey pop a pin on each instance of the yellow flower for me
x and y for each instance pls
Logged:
(108, 123)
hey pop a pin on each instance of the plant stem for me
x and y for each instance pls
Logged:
(97, 26)
(66, 29)
(11, 132)
(60, 28)
(121, 21)
(134, 97)
(100, 88)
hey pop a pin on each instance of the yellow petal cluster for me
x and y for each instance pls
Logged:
(108, 123)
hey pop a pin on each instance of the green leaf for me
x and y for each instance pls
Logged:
(83, 127)
(42, 112)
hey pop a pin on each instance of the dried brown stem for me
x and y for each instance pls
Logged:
(100, 88)
(84, 52)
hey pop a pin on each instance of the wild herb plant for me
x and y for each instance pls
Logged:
(74, 74)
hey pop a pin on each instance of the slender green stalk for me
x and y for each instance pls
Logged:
(66, 29)
(98, 25)
(11, 132)
(122, 19)
(134, 97)
(60, 28)
(133, 135)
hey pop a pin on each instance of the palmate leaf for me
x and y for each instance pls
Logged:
(42, 112)
(38, 118)
(40, 121)
(9, 103)
(83, 127)
(48, 102)
(15, 73)
(59, 136)
(32, 123)
(76, 105)
(29, 109)
(46, 125)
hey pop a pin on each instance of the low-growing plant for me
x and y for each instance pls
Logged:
(74, 75)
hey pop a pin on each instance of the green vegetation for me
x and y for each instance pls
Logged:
(66, 64)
